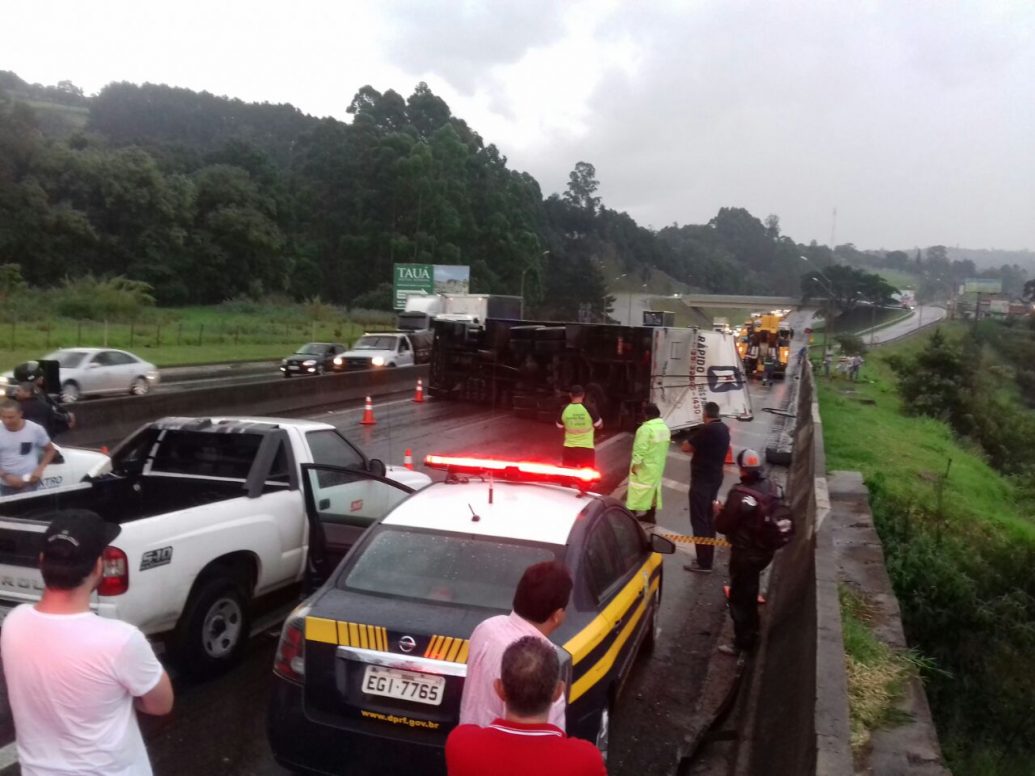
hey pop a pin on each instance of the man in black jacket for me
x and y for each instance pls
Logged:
(708, 446)
(739, 519)
(39, 408)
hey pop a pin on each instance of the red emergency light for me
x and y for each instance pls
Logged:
(520, 470)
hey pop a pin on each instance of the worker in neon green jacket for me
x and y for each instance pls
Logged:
(649, 454)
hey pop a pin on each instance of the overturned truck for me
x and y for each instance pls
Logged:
(529, 366)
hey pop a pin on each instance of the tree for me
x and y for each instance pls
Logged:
(582, 185)
(845, 287)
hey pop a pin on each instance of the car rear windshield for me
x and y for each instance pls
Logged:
(459, 569)
(375, 343)
(68, 359)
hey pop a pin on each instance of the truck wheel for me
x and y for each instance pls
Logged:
(214, 627)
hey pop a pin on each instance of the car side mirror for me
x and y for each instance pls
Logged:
(377, 467)
(661, 544)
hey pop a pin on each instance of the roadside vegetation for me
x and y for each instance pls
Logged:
(876, 673)
(940, 429)
(120, 313)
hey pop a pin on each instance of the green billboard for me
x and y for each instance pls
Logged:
(429, 279)
(411, 279)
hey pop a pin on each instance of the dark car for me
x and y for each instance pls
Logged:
(370, 668)
(314, 358)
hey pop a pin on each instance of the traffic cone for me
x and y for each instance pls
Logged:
(408, 459)
(368, 414)
(419, 397)
(729, 456)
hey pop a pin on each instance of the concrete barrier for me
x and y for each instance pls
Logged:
(106, 421)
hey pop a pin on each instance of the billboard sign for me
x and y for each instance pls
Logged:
(428, 279)
(983, 286)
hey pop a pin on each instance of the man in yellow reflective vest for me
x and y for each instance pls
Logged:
(579, 422)
(650, 452)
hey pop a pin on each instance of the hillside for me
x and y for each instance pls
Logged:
(207, 198)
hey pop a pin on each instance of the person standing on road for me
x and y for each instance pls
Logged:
(540, 602)
(769, 366)
(39, 409)
(739, 520)
(579, 422)
(25, 451)
(649, 455)
(73, 678)
(522, 740)
(708, 448)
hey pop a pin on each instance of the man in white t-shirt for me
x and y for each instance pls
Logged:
(540, 602)
(25, 450)
(73, 678)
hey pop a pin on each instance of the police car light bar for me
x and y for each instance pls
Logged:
(525, 470)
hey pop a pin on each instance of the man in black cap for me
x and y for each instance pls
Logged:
(708, 446)
(73, 678)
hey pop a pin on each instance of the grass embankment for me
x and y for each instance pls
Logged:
(959, 541)
(876, 673)
(193, 335)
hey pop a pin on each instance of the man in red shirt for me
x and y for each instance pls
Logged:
(523, 741)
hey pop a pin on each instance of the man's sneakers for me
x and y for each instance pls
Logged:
(697, 568)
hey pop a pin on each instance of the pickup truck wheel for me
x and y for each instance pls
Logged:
(214, 628)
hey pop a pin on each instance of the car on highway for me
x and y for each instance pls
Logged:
(100, 372)
(313, 358)
(214, 522)
(370, 668)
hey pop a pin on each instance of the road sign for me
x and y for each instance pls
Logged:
(411, 279)
(982, 286)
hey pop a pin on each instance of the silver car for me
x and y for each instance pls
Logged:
(100, 371)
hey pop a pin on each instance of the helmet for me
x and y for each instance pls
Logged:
(749, 459)
(29, 372)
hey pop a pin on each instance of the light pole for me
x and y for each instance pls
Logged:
(523, 273)
(824, 281)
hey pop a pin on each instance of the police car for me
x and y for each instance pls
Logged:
(370, 668)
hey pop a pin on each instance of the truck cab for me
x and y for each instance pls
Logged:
(380, 350)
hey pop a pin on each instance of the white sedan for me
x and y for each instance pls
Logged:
(102, 371)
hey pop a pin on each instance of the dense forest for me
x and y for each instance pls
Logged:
(207, 198)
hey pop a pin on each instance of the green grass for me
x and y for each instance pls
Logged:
(959, 543)
(876, 673)
(192, 335)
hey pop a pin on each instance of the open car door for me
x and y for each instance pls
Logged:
(340, 504)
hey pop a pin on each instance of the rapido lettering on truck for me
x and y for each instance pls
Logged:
(530, 366)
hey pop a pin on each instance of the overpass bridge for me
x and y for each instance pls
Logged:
(739, 302)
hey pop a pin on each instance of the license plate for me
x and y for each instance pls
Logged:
(294, 367)
(404, 685)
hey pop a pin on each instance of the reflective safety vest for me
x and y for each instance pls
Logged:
(578, 426)
(650, 452)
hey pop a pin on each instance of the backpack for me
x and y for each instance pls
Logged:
(772, 525)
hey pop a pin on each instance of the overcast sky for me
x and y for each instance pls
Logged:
(915, 120)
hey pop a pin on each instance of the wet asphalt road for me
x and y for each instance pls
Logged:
(219, 726)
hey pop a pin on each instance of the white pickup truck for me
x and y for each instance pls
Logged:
(215, 513)
(387, 349)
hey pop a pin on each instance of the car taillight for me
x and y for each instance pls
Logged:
(289, 662)
(115, 572)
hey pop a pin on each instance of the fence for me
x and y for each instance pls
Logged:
(46, 335)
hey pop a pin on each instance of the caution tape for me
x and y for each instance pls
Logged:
(680, 539)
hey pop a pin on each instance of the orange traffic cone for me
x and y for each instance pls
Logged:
(408, 459)
(368, 414)
(419, 397)
(729, 456)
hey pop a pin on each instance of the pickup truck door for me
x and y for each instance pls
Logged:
(405, 354)
(340, 504)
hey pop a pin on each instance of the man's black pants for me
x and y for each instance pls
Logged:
(702, 521)
(746, 567)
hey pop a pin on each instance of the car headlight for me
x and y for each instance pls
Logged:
(338, 361)
(310, 362)
(377, 361)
